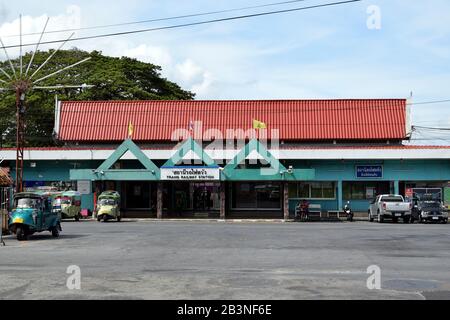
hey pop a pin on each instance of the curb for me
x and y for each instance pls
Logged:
(199, 220)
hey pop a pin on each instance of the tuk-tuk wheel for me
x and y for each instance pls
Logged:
(21, 234)
(105, 218)
(77, 218)
(55, 232)
(118, 218)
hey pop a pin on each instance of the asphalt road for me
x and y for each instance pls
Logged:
(229, 260)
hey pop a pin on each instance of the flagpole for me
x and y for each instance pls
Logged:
(130, 130)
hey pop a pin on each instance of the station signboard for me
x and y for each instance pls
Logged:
(181, 173)
(369, 171)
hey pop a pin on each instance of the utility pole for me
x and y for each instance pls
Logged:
(20, 133)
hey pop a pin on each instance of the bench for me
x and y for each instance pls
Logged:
(315, 212)
(334, 214)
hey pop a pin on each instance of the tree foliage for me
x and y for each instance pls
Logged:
(113, 79)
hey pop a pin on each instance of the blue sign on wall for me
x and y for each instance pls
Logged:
(374, 171)
(33, 184)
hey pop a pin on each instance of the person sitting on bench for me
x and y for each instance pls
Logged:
(303, 207)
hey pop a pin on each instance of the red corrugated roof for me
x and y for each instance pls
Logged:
(354, 119)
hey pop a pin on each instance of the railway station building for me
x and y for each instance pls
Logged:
(235, 159)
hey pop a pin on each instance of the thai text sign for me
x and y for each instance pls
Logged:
(190, 173)
(374, 171)
(84, 186)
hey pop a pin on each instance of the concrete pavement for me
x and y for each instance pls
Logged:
(229, 260)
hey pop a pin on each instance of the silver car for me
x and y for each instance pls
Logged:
(390, 206)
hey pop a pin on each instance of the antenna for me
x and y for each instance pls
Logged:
(5, 73)
(61, 70)
(20, 50)
(51, 56)
(7, 57)
(37, 46)
(22, 84)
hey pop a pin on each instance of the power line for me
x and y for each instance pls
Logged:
(423, 137)
(432, 128)
(162, 19)
(430, 102)
(188, 24)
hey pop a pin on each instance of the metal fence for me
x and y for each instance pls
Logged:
(6, 195)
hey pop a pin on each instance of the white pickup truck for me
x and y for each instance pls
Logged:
(389, 206)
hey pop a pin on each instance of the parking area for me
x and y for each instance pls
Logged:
(152, 259)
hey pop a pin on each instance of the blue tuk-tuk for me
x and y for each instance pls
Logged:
(32, 212)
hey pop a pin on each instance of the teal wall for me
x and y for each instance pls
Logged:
(407, 170)
(325, 170)
(393, 170)
(52, 170)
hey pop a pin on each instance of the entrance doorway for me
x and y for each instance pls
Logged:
(205, 196)
(137, 195)
(199, 199)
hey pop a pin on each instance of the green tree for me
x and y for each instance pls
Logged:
(113, 79)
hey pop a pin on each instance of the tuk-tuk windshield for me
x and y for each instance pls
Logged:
(106, 202)
(66, 200)
(27, 203)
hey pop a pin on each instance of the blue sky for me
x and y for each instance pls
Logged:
(318, 53)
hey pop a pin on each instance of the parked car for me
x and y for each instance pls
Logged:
(428, 210)
(390, 206)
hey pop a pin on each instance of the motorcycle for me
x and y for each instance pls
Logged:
(348, 211)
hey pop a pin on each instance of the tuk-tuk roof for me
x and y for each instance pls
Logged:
(29, 194)
(109, 194)
(71, 194)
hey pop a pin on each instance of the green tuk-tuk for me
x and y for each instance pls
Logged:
(70, 204)
(108, 206)
(32, 212)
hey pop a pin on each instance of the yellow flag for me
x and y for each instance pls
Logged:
(130, 130)
(259, 125)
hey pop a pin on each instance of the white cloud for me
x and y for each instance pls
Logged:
(193, 76)
(202, 88)
(189, 71)
(153, 54)
(71, 19)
